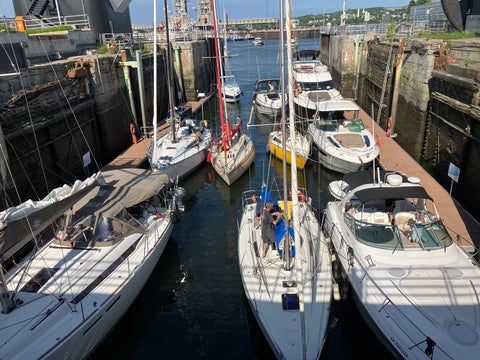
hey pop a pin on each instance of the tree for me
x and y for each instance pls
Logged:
(423, 2)
(410, 4)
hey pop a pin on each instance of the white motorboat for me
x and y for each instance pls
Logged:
(288, 286)
(233, 153)
(342, 145)
(314, 80)
(183, 149)
(230, 90)
(267, 97)
(94, 250)
(257, 41)
(416, 288)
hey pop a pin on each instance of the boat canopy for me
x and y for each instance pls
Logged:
(19, 224)
(383, 191)
(337, 105)
(124, 188)
(306, 54)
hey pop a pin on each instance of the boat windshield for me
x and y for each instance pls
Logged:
(373, 229)
(326, 125)
(323, 85)
(355, 125)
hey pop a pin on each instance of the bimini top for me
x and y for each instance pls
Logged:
(303, 54)
(337, 105)
(383, 191)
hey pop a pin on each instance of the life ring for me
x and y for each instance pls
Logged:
(302, 197)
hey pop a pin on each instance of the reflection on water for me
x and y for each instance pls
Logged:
(193, 306)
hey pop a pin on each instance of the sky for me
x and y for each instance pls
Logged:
(141, 11)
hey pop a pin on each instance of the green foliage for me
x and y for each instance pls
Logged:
(448, 35)
(5, 27)
(50, 29)
(390, 30)
(143, 49)
(468, 62)
(423, 2)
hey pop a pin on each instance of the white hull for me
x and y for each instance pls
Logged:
(336, 154)
(185, 167)
(239, 160)
(265, 105)
(282, 328)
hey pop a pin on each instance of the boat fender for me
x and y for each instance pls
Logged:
(132, 131)
(302, 197)
(378, 141)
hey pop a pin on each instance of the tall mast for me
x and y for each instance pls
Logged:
(219, 81)
(293, 163)
(154, 153)
(286, 251)
(170, 77)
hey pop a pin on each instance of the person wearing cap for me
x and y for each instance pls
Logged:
(268, 225)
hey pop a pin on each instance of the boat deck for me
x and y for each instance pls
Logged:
(453, 215)
(136, 154)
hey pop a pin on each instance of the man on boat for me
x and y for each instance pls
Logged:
(270, 219)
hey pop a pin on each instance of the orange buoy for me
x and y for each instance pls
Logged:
(132, 131)
(390, 122)
(302, 197)
(378, 140)
(388, 132)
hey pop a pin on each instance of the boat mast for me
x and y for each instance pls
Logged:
(154, 153)
(293, 163)
(225, 133)
(286, 251)
(170, 77)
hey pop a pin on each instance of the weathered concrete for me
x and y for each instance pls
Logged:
(96, 118)
(51, 46)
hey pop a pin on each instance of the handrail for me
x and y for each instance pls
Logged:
(81, 21)
(374, 283)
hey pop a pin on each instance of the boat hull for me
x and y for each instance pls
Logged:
(69, 334)
(339, 165)
(232, 172)
(184, 167)
(277, 151)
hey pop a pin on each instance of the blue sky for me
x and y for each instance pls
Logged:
(141, 10)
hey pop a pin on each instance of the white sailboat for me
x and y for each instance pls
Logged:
(182, 150)
(234, 152)
(94, 250)
(416, 289)
(289, 290)
(342, 144)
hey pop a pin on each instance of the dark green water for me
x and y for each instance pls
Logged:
(193, 306)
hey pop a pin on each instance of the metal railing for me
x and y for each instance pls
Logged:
(75, 21)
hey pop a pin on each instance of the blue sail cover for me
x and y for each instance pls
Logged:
(279, 233)
(266, 196)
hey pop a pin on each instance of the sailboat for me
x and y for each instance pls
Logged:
(95, 245)
(288, 285)
(233, 153)
(182, 150)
